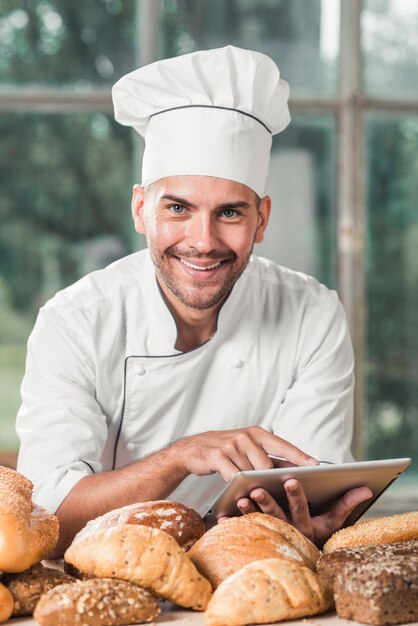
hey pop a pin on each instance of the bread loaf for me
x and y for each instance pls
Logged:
(28, 533)
(181, 522)
(378, 590)
(268, 591)
(330, 564)
(390, 529)
(145, 556)
(6, 603)
(96, 602)
(233, 543)
(27, 587)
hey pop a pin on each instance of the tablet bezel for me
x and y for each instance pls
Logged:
(323, 484)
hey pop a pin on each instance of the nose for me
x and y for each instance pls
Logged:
(202, 233)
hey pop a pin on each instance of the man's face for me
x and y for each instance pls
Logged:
(200, 232)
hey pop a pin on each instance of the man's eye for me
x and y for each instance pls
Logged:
(229, 213)
(178, 209)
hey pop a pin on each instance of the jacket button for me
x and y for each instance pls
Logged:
(237, 363)
(140, 371)
(130, 446)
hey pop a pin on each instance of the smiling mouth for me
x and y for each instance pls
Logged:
(202, 268)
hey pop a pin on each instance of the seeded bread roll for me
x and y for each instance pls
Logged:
(380, 590)
(233, 543)
(6, 603)
(145, 556)
(96, 602)
(28, 533)
(181, 522)
(268, 591)
(389, 529)
(330, 564)
(27, 587)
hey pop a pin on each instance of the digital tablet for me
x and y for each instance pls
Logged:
(322, 484)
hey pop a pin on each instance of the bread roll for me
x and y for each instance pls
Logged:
(389, 529)
(181, 522)
(268, 591)
(145, 556)
(6, 603)
(97, 602)
(28, 533)
(27, 587)
(233, 543)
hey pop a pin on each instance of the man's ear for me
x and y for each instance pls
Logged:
(263, 218)
(137, 204)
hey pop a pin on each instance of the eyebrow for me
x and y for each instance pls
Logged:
(237, 204)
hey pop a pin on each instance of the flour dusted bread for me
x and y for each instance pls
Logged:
(181, 522)
(233, 543)
(28, 533)
(145, 556)
(268, 591)
(390, 529)
(6, 603)
(96, 602)
(28, 586)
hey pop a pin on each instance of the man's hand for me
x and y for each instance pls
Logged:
(230, 451)
(319, 528)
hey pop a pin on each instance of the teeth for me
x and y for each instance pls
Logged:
(199, 267)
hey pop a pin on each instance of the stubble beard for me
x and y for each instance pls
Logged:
(196, 297)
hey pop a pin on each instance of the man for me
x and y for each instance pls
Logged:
(166, 373)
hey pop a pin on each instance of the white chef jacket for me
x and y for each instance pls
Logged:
(104, 384)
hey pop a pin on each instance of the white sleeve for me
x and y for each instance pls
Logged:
(317, 412)
(60, 424)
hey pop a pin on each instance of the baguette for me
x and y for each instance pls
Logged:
(28, 533)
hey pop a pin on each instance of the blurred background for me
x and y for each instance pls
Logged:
(343, 176)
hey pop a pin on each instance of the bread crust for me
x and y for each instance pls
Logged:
(145, 556)
(96, 602)
(268, 591)
(178, 520)
(28, 586)
(237, 541)
(390, 529)
(6, 603)
(28, 533)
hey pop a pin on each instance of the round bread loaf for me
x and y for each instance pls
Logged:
(181, 522)
(96, 602)
(28, 533)
(6, 603)
(390, 529)
(237, 541)
(28, 586)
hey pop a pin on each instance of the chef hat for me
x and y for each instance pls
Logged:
(211, 113)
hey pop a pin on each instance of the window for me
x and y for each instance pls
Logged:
(343, 176)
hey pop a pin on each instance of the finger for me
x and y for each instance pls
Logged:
(272, 444)
(259, 458)
(226, 468)
(267, 503)
(298, 507)
(346, 504)
(245, 505)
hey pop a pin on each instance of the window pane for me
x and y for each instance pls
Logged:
(392, 287)
(390, 48)
(301, 35)
(62, 41)
(64, 211)
(301, 232)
